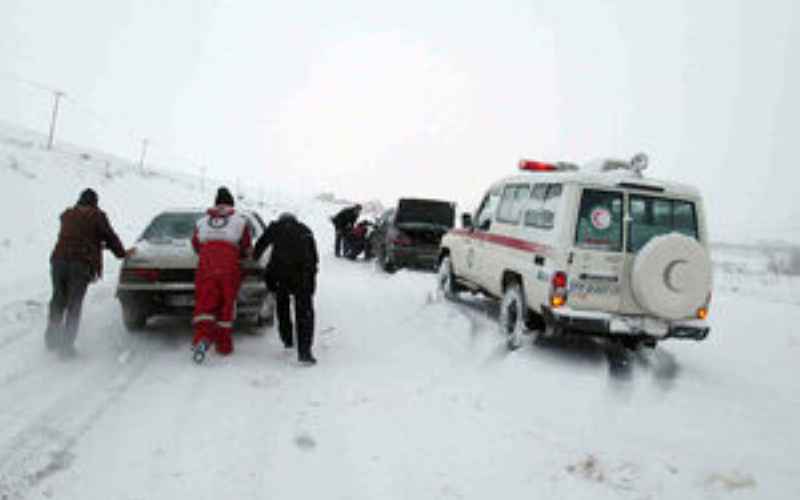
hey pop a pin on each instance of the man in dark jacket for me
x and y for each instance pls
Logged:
(75, 262)
(343, 222)
(292, 271)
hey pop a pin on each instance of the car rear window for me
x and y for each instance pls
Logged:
(172, 226)
(600, 221)
(652, 216)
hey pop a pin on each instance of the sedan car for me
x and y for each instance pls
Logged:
(159, 278)
(410, 234)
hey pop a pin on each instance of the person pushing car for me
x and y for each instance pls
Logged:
(76, 261)
(292, 271)
(221, 239)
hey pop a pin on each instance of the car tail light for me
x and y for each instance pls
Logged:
(251, 272)
(140, 274)
(558, 289)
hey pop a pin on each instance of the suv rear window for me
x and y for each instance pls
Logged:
(651, 217)
(600, 221)
(436, 212)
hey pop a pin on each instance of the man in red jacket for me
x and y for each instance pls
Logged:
(221, 238)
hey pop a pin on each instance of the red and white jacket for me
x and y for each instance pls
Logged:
(221, 238)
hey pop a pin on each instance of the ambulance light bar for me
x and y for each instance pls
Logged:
(539, 166)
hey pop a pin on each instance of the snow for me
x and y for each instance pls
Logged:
(414, 396)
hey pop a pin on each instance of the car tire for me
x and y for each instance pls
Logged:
(513, 316)
(266, 315)
(446, 279)
(386, 264)
(134, 316)
(264, 321)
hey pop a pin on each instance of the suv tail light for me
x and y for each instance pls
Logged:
(140, 274)
(402, 240)
(558, 289)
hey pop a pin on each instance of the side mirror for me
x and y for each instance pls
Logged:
(466, 221)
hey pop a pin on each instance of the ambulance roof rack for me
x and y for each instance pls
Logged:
(637, 164)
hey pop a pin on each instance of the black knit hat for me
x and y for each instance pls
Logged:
(88, 198)
(224, 197)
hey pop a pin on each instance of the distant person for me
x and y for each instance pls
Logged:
(292, 271)
(76, 261)
(343, 223)
(357, 241)
(221, 239)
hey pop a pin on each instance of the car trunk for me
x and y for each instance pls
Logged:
(424, 221)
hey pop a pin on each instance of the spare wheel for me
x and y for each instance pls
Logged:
(671, 276)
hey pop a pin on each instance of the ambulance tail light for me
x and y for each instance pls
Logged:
(702, 312)
(558, 289)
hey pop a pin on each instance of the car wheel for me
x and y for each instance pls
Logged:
(266, 316)
(262, 320)
(386, 263)
(513, 316)
(134, 316)
(446, 279)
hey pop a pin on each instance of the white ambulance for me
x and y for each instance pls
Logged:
(600, 250)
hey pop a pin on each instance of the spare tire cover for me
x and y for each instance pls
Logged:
(671, 276)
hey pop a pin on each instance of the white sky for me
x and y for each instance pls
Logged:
(426, 98)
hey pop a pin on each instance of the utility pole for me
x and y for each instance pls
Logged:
(144, 153)
(57, 95)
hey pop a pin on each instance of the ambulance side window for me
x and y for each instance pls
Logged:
(541, 212)
(483, 219)
(515, 197)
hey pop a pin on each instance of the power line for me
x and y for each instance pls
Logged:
(30, 83)
(147, 144)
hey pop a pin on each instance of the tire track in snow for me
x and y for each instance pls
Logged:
(19, 316)
(44, 447)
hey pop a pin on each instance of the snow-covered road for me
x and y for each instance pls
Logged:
(414, 397)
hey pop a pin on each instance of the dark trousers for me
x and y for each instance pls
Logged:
(70, 280)
(303, 315)
(337, 246)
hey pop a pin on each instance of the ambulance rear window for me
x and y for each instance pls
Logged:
(652, 216)
(600, 221)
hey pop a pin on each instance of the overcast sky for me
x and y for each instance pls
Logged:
(426, 98)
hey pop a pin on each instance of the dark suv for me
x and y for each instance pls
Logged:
(409, 235)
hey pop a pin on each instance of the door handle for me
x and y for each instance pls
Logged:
(538, 260)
